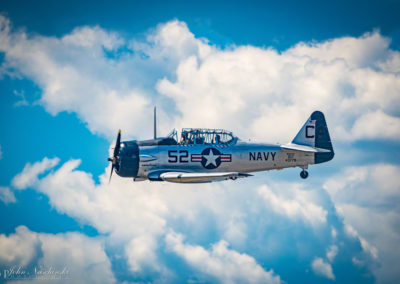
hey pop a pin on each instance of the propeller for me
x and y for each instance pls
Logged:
(114, 158)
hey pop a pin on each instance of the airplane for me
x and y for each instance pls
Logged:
(207, 155)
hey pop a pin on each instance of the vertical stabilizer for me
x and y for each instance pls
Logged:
(314, 133)
(306, 135)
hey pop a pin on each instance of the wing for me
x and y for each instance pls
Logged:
(183, 177)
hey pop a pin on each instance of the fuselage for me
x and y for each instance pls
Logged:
(238, 156)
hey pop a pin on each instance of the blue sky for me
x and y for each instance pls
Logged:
(72, 74)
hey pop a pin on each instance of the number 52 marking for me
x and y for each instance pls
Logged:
(173, 156)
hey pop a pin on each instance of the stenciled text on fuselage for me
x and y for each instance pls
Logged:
(261, 156)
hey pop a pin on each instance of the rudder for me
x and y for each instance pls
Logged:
(322, 138)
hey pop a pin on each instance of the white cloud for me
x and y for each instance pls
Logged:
(20, 248)
(6, 195)
(298, 207)
(77, 74)
(173, 39)
(29, 176)
(370, 186)
(221, 263)
(135, 217)
(322, 268)
(332, 252)
(93, 38)
(377, 124)
(364, 51)
(83, 258)
(368, 199)
(351, 79)
(333, 233)
(141, 255)
(1, 153)
(367, 247)
(243, 81)
(132, 213)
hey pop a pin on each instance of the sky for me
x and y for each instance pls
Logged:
(72, 74)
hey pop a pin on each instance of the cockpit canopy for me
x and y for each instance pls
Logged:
(191, 136)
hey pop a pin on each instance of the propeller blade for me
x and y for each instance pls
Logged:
(114, 159)
(112, 169)
(117, 144)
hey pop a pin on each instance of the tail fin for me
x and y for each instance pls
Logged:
(314, 133)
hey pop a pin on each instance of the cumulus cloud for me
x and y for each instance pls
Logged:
(377, 124)
(367, 247)
(137, 217)
(29, 176)
(300, 207)
(322, 268)
(112, 82)
(243, 81)
(364, 51)
(82, 258)
(332, 252)
(368, 186)
(368, 199)
(106, 79)
(20, 248)
(223, 264)
(141, 255)
(6, 195)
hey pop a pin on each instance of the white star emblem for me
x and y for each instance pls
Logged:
(211, 158)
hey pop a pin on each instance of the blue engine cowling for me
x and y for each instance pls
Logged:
(128, 162)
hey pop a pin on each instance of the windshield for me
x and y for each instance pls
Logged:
(205, 136)
(173, 134)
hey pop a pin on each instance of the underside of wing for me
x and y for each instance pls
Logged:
(183, 177)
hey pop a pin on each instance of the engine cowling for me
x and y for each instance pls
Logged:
(128, 159)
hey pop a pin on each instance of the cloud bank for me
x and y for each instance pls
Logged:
(368, 199)
(81, 258)
(167, 233)
(112, 82)
(223, 232)
(225, 265)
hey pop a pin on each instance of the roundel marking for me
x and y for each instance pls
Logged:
(211, 158)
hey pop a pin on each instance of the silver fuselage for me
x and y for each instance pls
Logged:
(239, 156)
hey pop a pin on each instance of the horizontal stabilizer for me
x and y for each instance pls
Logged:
(182, 177)
(304, 148)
